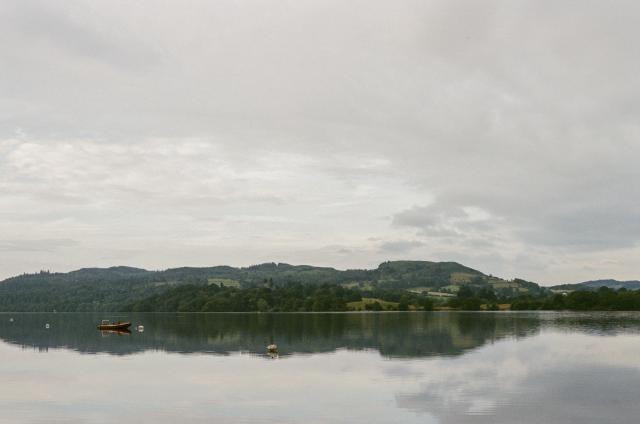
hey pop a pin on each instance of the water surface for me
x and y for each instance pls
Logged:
(351, 368)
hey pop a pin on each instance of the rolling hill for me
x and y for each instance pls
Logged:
(596, 284)
(108, 289)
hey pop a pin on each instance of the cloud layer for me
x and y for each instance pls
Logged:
(503, 135)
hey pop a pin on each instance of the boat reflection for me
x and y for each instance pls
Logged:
(401, 335)
(119, 332)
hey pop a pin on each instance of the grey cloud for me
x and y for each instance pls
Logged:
(36, 245)
(428, 218)
(400, 246)
(593, 226)
(596, 228)
(67, 28)
(322, 119)
(441, 220)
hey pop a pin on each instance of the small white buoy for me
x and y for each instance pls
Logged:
(47, 326)
(140, 328)
(10, 319)
(272, 351)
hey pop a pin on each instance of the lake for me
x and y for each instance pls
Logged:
(439, 367)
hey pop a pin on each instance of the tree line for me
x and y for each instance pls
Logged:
(604, 299)
(291, 297)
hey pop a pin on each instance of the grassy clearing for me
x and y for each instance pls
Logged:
(504, 285)
(419, 289)
(227, 282)
(443, 308)
(164, 283)
(440, 295)
(461, 278)
(362, 285)
(452, 289)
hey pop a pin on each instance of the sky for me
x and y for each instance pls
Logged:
(503, 135)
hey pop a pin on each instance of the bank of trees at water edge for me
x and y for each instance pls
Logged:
(292, 297)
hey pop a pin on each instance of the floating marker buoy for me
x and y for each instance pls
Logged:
(47, 326)
(10, 319)
(272, 351)
(140, 328)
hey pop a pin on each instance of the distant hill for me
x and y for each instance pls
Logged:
(596, 284)
(107, 289)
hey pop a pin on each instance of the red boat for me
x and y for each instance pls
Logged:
(106, 325)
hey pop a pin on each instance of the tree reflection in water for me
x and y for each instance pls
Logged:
(392, 334)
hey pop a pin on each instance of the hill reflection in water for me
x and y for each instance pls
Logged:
(408, 335)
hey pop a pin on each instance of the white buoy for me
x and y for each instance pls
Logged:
(47, 326)
(272, 351)
(140, 328)
(10, 319)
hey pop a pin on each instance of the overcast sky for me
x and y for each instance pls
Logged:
(504, 135)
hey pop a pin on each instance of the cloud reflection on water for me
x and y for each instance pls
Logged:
(481, 368)
(552, 377)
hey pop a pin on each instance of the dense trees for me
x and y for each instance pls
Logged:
(292, 297)
(282, 287)
(469, 299)
(107, 289)
(604, 299)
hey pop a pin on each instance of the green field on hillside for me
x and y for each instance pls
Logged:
(226, 282)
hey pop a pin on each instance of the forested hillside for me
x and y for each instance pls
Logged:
(104, 289)
(596, 284)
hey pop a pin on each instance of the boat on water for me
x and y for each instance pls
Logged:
(107, 325)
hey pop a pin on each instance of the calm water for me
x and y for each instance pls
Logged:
(351, 368)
